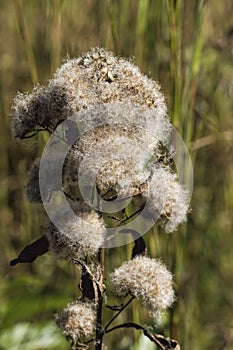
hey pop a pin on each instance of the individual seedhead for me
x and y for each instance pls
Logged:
(43, 109)
(78, 236)
(77, 320)
(166, 196)
(147, 279)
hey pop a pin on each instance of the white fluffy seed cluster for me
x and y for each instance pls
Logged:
(97, 77)
(167, 197)
(81, 234)
(121, 117)
(42, 109)
(77, 320)
(100, 77)
(147, 279)
(117, 144)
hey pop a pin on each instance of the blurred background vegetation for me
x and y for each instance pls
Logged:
(187, 46)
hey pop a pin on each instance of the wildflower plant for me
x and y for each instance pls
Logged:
(111, 145)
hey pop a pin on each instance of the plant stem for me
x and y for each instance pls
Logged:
(126, 325)
(99, 328)
(118, 313)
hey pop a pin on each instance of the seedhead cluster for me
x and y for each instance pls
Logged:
(118, 127)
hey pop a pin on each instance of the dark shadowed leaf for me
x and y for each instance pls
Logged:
(32, 251)
(87, 284)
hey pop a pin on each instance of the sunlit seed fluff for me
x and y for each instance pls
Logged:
(147, 279)
(78, 236)
(97, 77)
(100, 77)
(109, 158)
(77, 320)
(151, 127)
(166, 196)
(116, 146)
(43, 108)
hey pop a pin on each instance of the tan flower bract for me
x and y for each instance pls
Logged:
(147, 279)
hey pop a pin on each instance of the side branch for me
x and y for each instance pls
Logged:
(118, 313)
(162, 342)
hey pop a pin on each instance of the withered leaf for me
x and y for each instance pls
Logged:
(32, 251)
(87, 284)
(162, 342)
(91, 284)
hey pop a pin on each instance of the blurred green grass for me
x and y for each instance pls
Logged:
(187, 47)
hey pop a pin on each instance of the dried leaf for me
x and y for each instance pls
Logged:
(87, 284)
(91, 285)
(162, 342)
(32, 251)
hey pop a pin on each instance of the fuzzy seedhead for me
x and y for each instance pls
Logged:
(77, 320)
(147, 279)
(79, 236)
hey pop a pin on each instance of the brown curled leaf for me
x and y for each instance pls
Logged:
(32, 251)
(162, 342)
